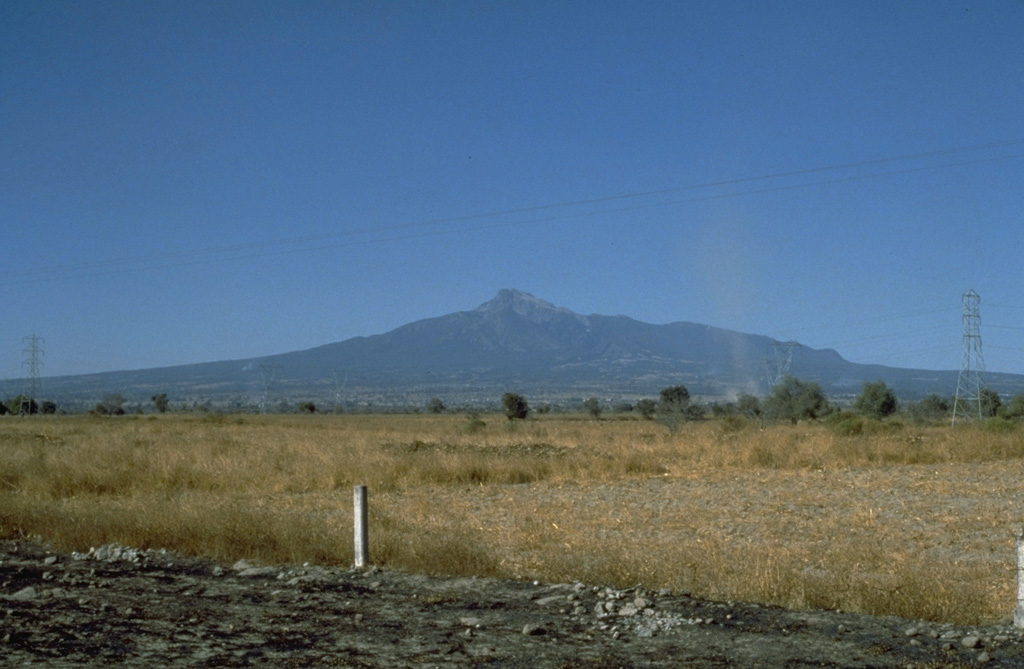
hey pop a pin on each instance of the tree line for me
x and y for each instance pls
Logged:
(25, 405)
(790, 401)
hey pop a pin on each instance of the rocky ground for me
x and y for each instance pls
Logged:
(153, 608)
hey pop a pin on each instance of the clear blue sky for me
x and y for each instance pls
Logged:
(194, 181)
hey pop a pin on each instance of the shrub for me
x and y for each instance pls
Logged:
(876, 400)
(998, 425)
(160, 402)
(110, 405)
(475, 424)
(673, 406)
(1014, 408)
(931, 409)
(734, 424)
(793, 400)
(846, 424)
(515, 405)
(646, 408)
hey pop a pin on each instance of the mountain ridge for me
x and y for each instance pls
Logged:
(515, 341)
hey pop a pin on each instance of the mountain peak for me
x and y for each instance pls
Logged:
(526, 305)
(517, 300)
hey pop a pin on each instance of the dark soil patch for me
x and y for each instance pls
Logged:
(153, 608)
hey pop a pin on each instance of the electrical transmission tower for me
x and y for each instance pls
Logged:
(778, 362)
(338, 387)
(267, 372)
(968, 401)
(33, 351)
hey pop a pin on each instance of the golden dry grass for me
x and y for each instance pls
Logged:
(914, 522)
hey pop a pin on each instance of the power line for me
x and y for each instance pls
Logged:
(273, 247)
(906, 354)
(874, 319)
(1006, 348)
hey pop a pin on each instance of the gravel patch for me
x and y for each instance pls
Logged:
(144, 608)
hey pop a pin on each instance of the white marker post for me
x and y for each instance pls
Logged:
(362, 541)
(1018, 611)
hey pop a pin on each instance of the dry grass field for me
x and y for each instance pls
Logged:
(917, 522)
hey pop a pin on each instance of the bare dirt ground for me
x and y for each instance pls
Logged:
(154, 608)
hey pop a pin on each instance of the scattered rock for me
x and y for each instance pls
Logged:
(135, 608)
(24, 594)
(258, 572)
(628, 610)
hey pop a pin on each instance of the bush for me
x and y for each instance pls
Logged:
(990, 402)
(793, 400)
(931, 409)
(734, 423)
(515, 405)
(1014, 408)
(160, 402)
(673, 407)
(750, 406)
(23, 404)
(876, 400)
(646, 408)
(111, 405)
(998, 425)
(475, 424)
(846, 424)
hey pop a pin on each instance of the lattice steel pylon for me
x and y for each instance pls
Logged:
(778, 362)
(267, 373)
(338, 387)
(967, 403)
(33, 351)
